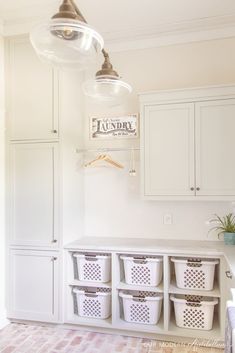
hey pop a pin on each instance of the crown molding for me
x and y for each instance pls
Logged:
(203, 29)
(172, 33)
(169, 38)
(194, 25)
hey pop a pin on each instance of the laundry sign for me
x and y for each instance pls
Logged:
(114, 127)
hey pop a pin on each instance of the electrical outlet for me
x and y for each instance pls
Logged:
(167, 219)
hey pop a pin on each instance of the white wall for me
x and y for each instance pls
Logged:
(71, 119)
(2, 196)
(113, 206)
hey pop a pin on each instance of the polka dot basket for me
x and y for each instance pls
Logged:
(92, 267)
(195, 312)
(141, 307)
(195, 273)
(92, 302)
(142, 270)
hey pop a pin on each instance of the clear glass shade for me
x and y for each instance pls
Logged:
(66, 43)
(107, 88)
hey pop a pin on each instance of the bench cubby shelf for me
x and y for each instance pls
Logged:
(166, 326)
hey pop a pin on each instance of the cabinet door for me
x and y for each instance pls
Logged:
(168, 144)
(34, 194)
(32, 94)
(215, 145)
(34, 285)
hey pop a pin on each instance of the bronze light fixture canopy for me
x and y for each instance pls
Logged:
(67, 41)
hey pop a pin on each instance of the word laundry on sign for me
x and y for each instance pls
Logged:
(126, 126)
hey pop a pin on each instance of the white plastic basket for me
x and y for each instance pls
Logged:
(141, 307)
(195, 273)
(142, 270)
(92, 302)
(92, 267)
(195, 312)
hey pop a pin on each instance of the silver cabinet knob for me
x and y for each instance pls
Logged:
(54, 131)
(229, 274)
(192, 189)
(54, 258)
(54, 241)
(198, 189)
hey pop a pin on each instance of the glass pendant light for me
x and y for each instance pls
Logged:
(66, 40)
(107, 85)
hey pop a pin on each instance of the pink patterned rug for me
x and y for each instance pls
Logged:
(19, 338)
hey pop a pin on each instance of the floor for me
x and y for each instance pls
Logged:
(18, 338)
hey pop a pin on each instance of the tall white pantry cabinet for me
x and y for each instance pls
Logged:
(32, 113)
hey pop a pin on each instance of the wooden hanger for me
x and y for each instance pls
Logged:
(106, 158)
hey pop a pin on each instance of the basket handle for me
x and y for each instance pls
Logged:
(194, 262)
(138, 298)
(91, 258)
(91, 295)
(193, 304)
(140, 260)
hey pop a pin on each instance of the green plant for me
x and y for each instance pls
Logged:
(225, 224)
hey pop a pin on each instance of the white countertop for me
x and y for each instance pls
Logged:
(182, 247)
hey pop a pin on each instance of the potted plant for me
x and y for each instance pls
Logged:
(225, 225)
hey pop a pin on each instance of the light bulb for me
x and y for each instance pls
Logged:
(66, 33)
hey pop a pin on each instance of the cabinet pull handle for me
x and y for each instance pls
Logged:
(198, 189)
(229, 274)
(54, 131)
(192, 189)
(54, 241)
(53, 258)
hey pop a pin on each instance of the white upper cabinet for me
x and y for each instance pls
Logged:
(34, 285)
(34, 194)
(187, 143)
(32, 94)
(169, 149)
(215, 146)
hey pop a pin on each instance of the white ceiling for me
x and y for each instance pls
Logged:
(120, 21)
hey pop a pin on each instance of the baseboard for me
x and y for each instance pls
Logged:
(4, 321)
